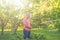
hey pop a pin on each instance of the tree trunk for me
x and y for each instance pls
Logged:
(15, 29)
(2, 27)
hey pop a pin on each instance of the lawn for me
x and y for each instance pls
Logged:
(35, 35)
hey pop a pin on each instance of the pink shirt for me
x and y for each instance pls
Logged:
(26, 23)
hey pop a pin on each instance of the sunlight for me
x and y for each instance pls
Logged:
(16, 16)
(15, 3)
(30, 5)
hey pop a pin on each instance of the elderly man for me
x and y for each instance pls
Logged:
(27, 27)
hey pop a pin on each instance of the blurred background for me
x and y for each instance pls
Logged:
(45, 16)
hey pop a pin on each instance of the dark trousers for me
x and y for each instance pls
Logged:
(26, 34)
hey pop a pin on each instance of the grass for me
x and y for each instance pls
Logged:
(35, 35)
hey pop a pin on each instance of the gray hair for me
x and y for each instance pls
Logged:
(27, 14)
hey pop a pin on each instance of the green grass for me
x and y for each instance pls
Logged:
(35, 35)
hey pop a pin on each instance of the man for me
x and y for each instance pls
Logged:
(27, 27)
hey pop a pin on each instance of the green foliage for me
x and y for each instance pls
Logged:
(35, 35)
